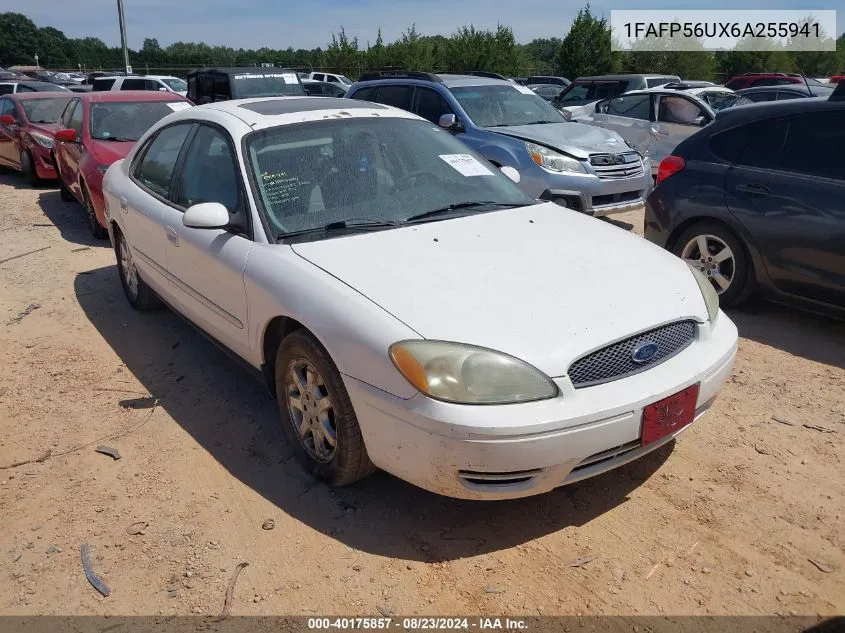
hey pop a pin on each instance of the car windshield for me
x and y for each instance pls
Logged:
(344, 79)
(586, 92)
(127, 120)
(46, 110)
(266, 85)
(370, 172)
(176, 84)
(500, 105)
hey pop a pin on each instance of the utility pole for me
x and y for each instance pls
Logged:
(127, 68)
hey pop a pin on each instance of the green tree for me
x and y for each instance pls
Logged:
(342, 53)
(19, 40)
(660, 55)
(586, 49)
(540, 54)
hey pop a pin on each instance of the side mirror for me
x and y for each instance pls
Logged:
(448, 121)
(511, 173)
(206, 215)
(66, 136)
(7, 119)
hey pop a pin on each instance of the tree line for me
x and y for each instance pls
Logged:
(584, 50)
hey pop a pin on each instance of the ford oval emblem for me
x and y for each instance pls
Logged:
(644, 352)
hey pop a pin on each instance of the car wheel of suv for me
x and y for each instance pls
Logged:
(317, 414)
(140, 295)
(97, 229)
(716, 251)
(28, 169)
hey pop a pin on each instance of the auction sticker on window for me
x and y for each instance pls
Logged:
(290, 78)
(178, 105)
(466, 164)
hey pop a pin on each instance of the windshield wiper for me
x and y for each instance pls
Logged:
(459, 206)
(351, 224)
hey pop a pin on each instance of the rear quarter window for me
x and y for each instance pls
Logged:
(364, 94)
(728, 145)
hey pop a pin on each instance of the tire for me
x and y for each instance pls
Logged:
(737, 270)
(97, 229)
(28, 169)
(139, 294)
(298, 357)
(65, 193)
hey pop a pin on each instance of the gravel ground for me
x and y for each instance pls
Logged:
(726, 521)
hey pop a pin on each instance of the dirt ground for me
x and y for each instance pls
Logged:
(726, 521)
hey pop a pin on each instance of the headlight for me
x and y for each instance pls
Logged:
(711, 297)
(43, 140)
(467, 374)
(103, 169)
(552, 160)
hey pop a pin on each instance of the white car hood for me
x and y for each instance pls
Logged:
(541, 283)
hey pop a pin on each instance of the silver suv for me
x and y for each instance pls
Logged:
(578, 166)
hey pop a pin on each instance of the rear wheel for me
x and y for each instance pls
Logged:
(317, 414)
(718, 254)
(140, 295)
(97, 229)
(28, 169)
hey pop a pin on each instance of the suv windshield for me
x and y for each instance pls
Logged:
(266, 85)
(369, 173)
(581, 93)
(126, 120)
(46, 110)
(500, 105)
(721, 100)
(176, 84)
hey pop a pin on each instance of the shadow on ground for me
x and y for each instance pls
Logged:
(809, 336)
(68, 217)
(232, 417)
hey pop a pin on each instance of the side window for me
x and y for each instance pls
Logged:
(192, 87)
(814, 144)
(153, 84)
(632, 107)
(784, 95)
(22, 88)
(431, 105)
(364, 94)
(7, 107)
(134, 84)
(75, 121)
(210, 172)
(102, 84)
(766, 81)
(68, 112)
(728, 145)
(6, 89)
(155, 168)
(604, 90)
(765, 143)
(763, 95)
(679, 110)
(319, 77)
(220, 88)
(396, 96)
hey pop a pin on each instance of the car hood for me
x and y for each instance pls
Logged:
(541, 283)
(106, 152)
(575, 139)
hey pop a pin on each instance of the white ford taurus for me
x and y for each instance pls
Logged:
(411, 309)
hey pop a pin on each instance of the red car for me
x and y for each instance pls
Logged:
(28, 123)
(752, 80)
(837, 78)
(100, 128)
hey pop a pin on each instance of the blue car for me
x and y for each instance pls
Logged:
(581, 167)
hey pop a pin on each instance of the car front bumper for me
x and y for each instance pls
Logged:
(511, 451)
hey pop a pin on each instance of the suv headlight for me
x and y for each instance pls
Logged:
(554, 161)
(42, 139)
(467, 374)
(711, 297)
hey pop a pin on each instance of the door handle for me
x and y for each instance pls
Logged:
(753, 189)
(172, 236)
(124, 204)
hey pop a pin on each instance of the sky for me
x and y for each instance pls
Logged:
(279, 24)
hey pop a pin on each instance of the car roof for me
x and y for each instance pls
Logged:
(25, 96)
(689, 91)
(245, 70)
(622, 77)
(38, 85)
(766, 109)
(265, 112)
(112, 96)
(790, 87)
(445, 79)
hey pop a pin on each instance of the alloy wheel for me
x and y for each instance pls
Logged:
(127, 269)
(714, 258)
(311, 410)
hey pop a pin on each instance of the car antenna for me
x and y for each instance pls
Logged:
(806, 83)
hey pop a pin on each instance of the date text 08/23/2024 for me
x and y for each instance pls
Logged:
(418, 624)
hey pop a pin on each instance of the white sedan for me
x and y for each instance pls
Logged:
(411, 309)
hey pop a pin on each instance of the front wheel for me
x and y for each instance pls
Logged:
(140, 295)
(718, 254)
(317, 414)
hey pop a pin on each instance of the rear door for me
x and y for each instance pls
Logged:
(787, 190)
(145, 199)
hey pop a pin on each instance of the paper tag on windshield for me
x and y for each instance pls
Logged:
(290, 78)
(524, 90)
(178, 105)
(466, 164)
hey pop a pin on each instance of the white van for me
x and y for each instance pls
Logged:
(162, 83)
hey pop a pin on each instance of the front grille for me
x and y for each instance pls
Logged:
(616, 361)
(606, 166)
(615, 198)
